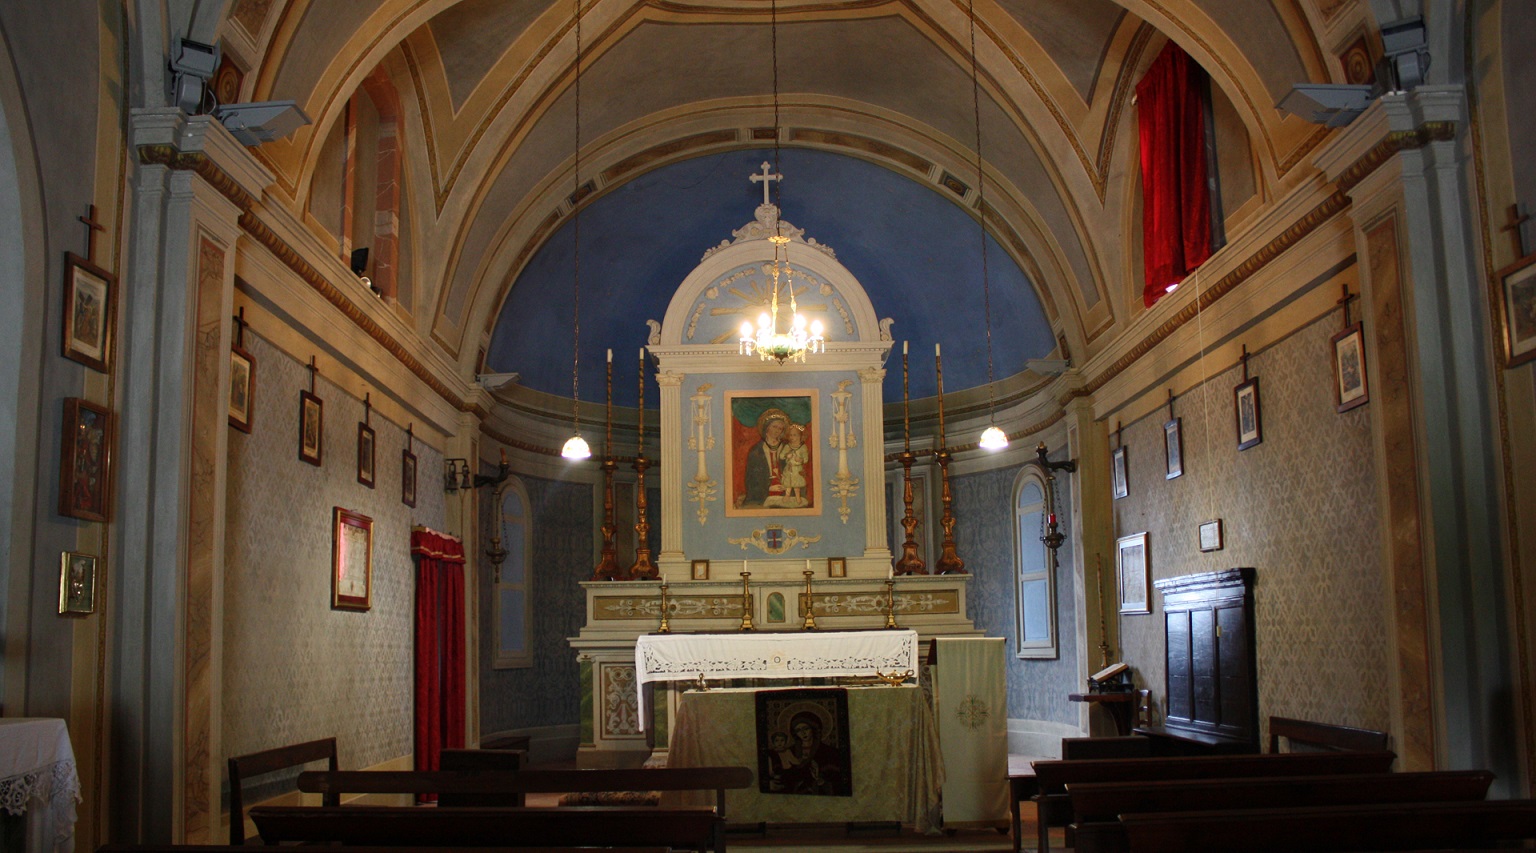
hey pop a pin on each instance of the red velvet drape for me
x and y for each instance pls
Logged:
(439, 645)
(1175, 200)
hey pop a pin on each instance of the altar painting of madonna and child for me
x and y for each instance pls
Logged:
(772, 461)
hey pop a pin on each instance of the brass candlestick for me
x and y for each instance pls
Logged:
(890, 603)
(1098, 581)
(810, 604)
(949, 562)
(746, 601)
(608, 567)
(910, 562)
(644, 568)
(665, 627)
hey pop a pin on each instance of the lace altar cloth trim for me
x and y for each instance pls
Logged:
(55, 784)
(681, 657)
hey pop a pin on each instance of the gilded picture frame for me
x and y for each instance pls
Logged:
(699, 570)
(90, 295)
(77, 584)
(1132, 565)
(242, 388)
(351, 560)
(85, 461)
(772, 453)
(1517, 311)
(837, 567)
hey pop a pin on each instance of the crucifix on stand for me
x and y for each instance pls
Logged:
(764, 179)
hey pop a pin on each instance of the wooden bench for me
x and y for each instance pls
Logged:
(1396, 826)
(508, 760)
(243, 767)
(409, 826)
(1323, 737)
(1022, 784)
(338, 848)
(488, 784)
(1098, 806)
(1054, 806)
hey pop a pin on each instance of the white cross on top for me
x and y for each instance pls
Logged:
(764, 178)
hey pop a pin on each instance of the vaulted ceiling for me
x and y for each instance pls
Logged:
(876, 101)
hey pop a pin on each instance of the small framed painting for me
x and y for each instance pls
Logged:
(837, 567)
(1210, 536)
(700, 570)
(1349, 377)
(242, 388)
(1250, 429)
(1173, 447)
(1118, 472)
(1519, 313)
(311, 428)
(77, 584)
(1131, 565)
(88, 311)
(365, 454)
(351, 560)
(408, 478)
(85, 461)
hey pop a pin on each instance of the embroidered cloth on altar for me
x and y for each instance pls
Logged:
(38, 778)
(772, 654)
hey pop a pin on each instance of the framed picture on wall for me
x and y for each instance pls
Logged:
(242, 388)
(1131, 565)
(365, 454)
(351, 560)
(77, 584)
(1118, 473)
(89, 292)
(837, 567)
(700, 570)
(771, 465)
(311, 428)
(85, 461)
(408, 478)
(1250, 428)
(1173, 447)
(1518, 312)
(1211, 536)
(1349, 377)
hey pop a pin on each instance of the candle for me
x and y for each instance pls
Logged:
(807, 564)
(610, 356)
(1053, 519)
(640, 440)
(903, 347)
(890, 573)
(935, 349)
(744, 567)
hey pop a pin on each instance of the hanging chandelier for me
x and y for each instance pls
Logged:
(800, 337)
(766, 339)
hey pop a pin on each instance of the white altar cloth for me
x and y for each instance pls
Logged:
(772, 654)
(38, 778)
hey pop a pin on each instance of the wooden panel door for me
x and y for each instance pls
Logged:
(1181, 704)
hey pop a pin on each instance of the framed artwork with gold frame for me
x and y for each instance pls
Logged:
(351, 560)
(1517, 285)
(89, 309)
(85, 461)
(771, 458)
(242, 388)
(837, 567)
(700, 570)
(77, 584)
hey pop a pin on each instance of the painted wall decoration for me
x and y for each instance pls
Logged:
(844, 484)
(772, 464)
(702, 488)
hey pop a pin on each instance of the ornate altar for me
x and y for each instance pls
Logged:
(768, 471)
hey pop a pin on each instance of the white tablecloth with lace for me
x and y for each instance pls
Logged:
(38, 779)
(772, 654)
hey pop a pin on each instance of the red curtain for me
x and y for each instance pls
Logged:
(439, 645)
(1175, 200)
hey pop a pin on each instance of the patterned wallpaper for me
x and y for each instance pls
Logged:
(294, 669)
(983, 506)
(1300, 508)
(549, 692)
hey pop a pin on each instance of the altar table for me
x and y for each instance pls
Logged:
(770, 654)
(38, 779)
(897, 771)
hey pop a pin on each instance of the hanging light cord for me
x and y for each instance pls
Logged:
(576, 250)
(981, 213)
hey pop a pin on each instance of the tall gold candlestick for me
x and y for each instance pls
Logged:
(665, 627)
(608, 567)
(810, 604)
(746, 600)
(890, 603)
(949, 562)
(1098, 581)
(644, 568)
(910, 562)
(906, 409)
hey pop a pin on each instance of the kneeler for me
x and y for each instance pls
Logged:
(439, 646)
(970, 704)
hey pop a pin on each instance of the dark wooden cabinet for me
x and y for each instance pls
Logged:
(1212, 689)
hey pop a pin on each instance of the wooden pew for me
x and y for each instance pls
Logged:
(1098, 806)
(1395, 826)
(221, 848)
(1054, 806)
(409, 826)
(243, 767)
(1323, 737)
(489, 783)
(1022, 784)
(509, 760)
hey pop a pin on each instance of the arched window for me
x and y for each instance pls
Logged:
(1034, 580)
(514, 584)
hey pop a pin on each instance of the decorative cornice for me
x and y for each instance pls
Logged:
(1038, 426)
(205, 168)
(1336, 202)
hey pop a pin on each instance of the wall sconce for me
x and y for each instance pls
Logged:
(456, 474)
(1053, 537)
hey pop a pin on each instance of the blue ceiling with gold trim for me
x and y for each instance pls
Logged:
(915, 251)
